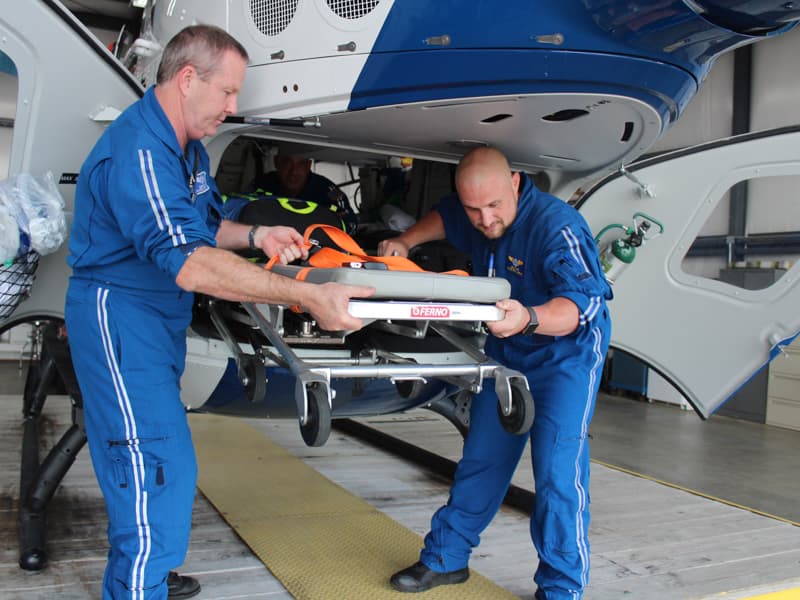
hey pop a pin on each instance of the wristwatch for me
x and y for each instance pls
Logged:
(251, 238)
(530, 328)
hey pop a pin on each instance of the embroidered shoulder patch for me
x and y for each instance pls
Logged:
(516, 266)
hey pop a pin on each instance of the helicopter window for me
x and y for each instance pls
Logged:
(769, 245)
(14, 340)
(8, 109)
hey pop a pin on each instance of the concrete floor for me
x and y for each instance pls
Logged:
(740, 462)
(647, 539)
(12, 376)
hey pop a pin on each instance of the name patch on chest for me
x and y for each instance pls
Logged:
(201, 183)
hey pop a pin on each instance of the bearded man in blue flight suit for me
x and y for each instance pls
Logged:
(556, 331)
(147, 233)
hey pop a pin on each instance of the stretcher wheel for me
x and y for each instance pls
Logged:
(520, 419)
(253, 375)
(317, 428)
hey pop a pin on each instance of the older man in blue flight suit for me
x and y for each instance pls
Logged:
(556, 330)
(147, 233)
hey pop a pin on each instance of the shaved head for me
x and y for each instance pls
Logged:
(488, 190)
(481, 163)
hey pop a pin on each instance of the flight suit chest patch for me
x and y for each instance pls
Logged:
(515, 265)
(201, 183)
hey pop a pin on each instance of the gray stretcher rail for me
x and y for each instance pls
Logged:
(313, 392)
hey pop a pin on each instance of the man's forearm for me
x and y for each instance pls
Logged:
(232, 235)
(557, 316)
(427, 229)
(225, 275)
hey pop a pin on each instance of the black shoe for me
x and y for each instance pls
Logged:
(181, 586)
(418, 578)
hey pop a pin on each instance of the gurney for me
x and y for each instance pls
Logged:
(423, 337)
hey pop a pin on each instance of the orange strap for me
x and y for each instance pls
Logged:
(271, 262)
(332, 258)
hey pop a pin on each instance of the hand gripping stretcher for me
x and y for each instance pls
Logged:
(422, 334)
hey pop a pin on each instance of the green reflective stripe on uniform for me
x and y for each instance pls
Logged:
(297, 206)
(287, 204)
(284, 202)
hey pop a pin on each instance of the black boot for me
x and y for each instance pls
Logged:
(418, 578)
(181, 586)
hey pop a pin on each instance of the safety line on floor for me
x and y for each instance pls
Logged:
(318, 539)
(516, 497)
(792, 594)
(697, 493)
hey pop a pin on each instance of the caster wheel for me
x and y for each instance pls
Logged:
(520, 419)
(318, 425)
(253, 375)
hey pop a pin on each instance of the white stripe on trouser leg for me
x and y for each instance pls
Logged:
(137, 461)
(582, 496)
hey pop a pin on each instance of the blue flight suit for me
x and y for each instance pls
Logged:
(142, 207)
(548, 251)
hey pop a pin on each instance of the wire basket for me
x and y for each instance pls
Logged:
(16, 280)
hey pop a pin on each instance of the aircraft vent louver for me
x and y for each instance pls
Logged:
(272, 16)
(568, 114)
(352, 9)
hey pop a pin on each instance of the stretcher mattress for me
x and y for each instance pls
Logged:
(410, 285)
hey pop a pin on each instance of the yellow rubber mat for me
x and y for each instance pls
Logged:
(319, 540)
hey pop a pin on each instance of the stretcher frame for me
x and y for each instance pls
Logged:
(443, 295)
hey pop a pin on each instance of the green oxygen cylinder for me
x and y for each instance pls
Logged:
(616, 258)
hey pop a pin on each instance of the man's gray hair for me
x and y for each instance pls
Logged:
(200, 46)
